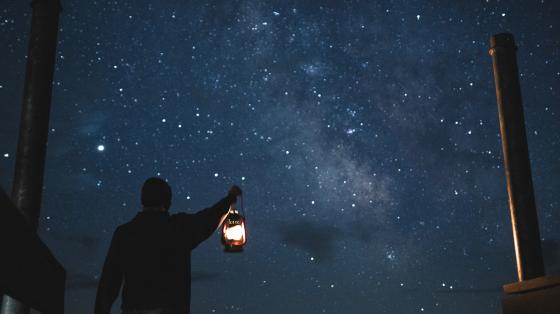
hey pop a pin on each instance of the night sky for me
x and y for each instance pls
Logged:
(363, 133)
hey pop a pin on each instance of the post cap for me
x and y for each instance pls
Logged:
(502, 40)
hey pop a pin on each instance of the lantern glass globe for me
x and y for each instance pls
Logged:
(235, 233)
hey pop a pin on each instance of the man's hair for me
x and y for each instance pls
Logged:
(156, 192)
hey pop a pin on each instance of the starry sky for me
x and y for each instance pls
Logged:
(363, 133)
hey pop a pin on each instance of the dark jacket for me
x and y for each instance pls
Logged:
(152, 256)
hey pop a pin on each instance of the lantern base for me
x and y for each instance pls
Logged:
(233, 249)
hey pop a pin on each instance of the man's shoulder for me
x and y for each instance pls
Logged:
(180, 216)
(182, 219)
(125, 227)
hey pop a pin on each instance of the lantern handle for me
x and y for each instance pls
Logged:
(232, 207)
(242, 206)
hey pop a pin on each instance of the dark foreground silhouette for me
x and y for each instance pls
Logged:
(151, 254)
(28, 271)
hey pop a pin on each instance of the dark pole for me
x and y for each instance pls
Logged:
(34, 124)
(522, 206)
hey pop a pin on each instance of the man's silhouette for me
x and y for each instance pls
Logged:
(151, 254)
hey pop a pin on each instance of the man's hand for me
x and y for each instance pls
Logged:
(235, 191)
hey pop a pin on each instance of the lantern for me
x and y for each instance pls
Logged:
(233, 232)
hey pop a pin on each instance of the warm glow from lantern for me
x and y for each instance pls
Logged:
(235, 233)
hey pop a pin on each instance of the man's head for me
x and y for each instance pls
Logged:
(156, 193)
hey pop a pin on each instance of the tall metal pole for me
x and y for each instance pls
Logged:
(522, 206)
(34, 125)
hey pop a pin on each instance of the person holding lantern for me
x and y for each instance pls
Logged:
(151, 254)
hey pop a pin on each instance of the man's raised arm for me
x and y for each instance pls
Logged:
(207, 220)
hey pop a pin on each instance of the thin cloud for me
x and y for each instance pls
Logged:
(316, 239)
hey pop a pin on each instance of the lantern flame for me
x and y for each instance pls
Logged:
(235, 233)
